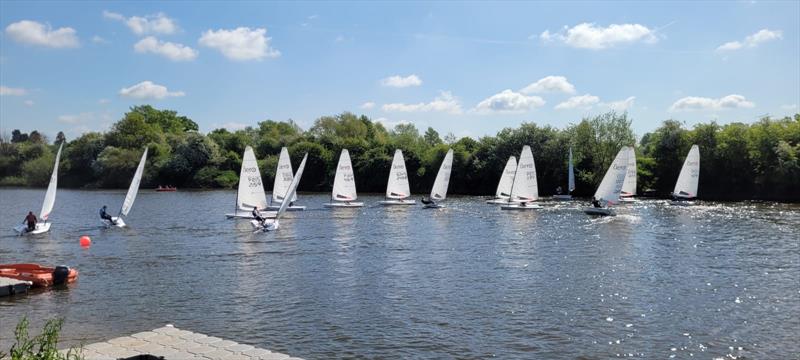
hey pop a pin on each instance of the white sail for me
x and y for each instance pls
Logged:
(134, 188)
(50, 196)
(629, 187)
(251, 190)
(571, 184)
(440, 185)
(292, 187)
(686, 187)
(344, 184)
(611, 186)
(398, 187)
(507, 179)
(525, 187)
(283, 177)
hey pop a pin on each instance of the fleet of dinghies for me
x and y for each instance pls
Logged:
(517, 189)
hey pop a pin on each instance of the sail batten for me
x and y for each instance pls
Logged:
(251, 190)
(689, 178)
(344, 184)
(130, 197)
(50, 196)
(398, 187)
(442, 182)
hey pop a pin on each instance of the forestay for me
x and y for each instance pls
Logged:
(283, 177)
(611, 186)
(525, 187)
(440, 185)
(686, 187)
(344, 184)
(134, 188)
(629, 187)
(50, 196)
(398, 187)
(251, 190)
(507, 179)
(571, 184)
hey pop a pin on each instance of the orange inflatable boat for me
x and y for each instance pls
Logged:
(40, 276)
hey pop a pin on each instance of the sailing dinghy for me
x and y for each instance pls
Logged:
(344, 185)
(43, 225)
(273, 224)
(440, 185)
(251, 190)
(397, 190)
(570, 182)
(506, 180)
(607, 193)
(524, 189)
(130, 197)
(283, 178)
(688, 179)
(629, 186)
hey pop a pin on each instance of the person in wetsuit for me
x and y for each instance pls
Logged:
(596, 203)
(558, 190)
(31, 220)
(257, 215)
(104, 215)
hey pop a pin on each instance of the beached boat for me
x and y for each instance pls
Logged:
(524, 189)
(440, 185)
(607, 193)
(506, 180)
(344, 185)
(283, 178)
(686, 187)
(40, 276)
(43, 225)
(570, 182)
(398, 190)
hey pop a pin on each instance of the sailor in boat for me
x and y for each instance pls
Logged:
(104, 215)
(596, 203)
(558, 190)
(31, 220)
(257, 215)
(427, 201)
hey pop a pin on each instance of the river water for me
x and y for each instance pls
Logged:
(468, 281)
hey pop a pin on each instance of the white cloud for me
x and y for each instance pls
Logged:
(445, 102)
(240, 44)
(550, 84)
(589, 36)
(99, 40)
(401, 82)
(10, 91)
(789, 107)
(751, 41)
(148, 90)
(29, 103)
(158, 23)
(170, 50)
(389, 124)
(34, 33)
(622, 105)
(368, 105)
(81, 118)
(582, 101)
(509, 101)
(702, 103)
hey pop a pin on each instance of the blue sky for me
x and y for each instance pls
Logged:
(466, 68)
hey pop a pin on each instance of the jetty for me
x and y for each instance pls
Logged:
(9, 286)
(169, 342)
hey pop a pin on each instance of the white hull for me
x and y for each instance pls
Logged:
(290, 208)
(599, 211)
(344, 205)
(498, 201)
(397, 202)
(562, 197)
(41, 228)
(520, 207)
(269, 226)
(628, 199)
(248, 215)
(118, 222)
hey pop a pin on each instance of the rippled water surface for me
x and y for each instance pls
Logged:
(468, 281)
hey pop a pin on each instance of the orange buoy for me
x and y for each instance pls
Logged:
(86, 241)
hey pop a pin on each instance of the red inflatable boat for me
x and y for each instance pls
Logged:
(40, 276)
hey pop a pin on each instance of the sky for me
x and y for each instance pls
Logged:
(469, 68)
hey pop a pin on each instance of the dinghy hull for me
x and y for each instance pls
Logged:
(40, 228)
(397, 202)
(520, 207)
(268, 226)
(118, 222)
(628, 199)
(248, 215)
(290, 208)
(497, 201)
(599, 211)
(562, 197)
(344, 205)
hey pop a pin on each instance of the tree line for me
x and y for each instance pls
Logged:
(738, 161)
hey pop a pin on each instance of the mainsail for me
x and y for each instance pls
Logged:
(344, 184)
(629, 187)
(283, 177)
(525, 187)
(251, 190)
(134, 188)
(507, 179)
(292, 187)
(439, 191)
(50, 196)
(611, 186)
(686, 187)
(398, 187)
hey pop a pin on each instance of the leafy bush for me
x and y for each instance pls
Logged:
(42, 346)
